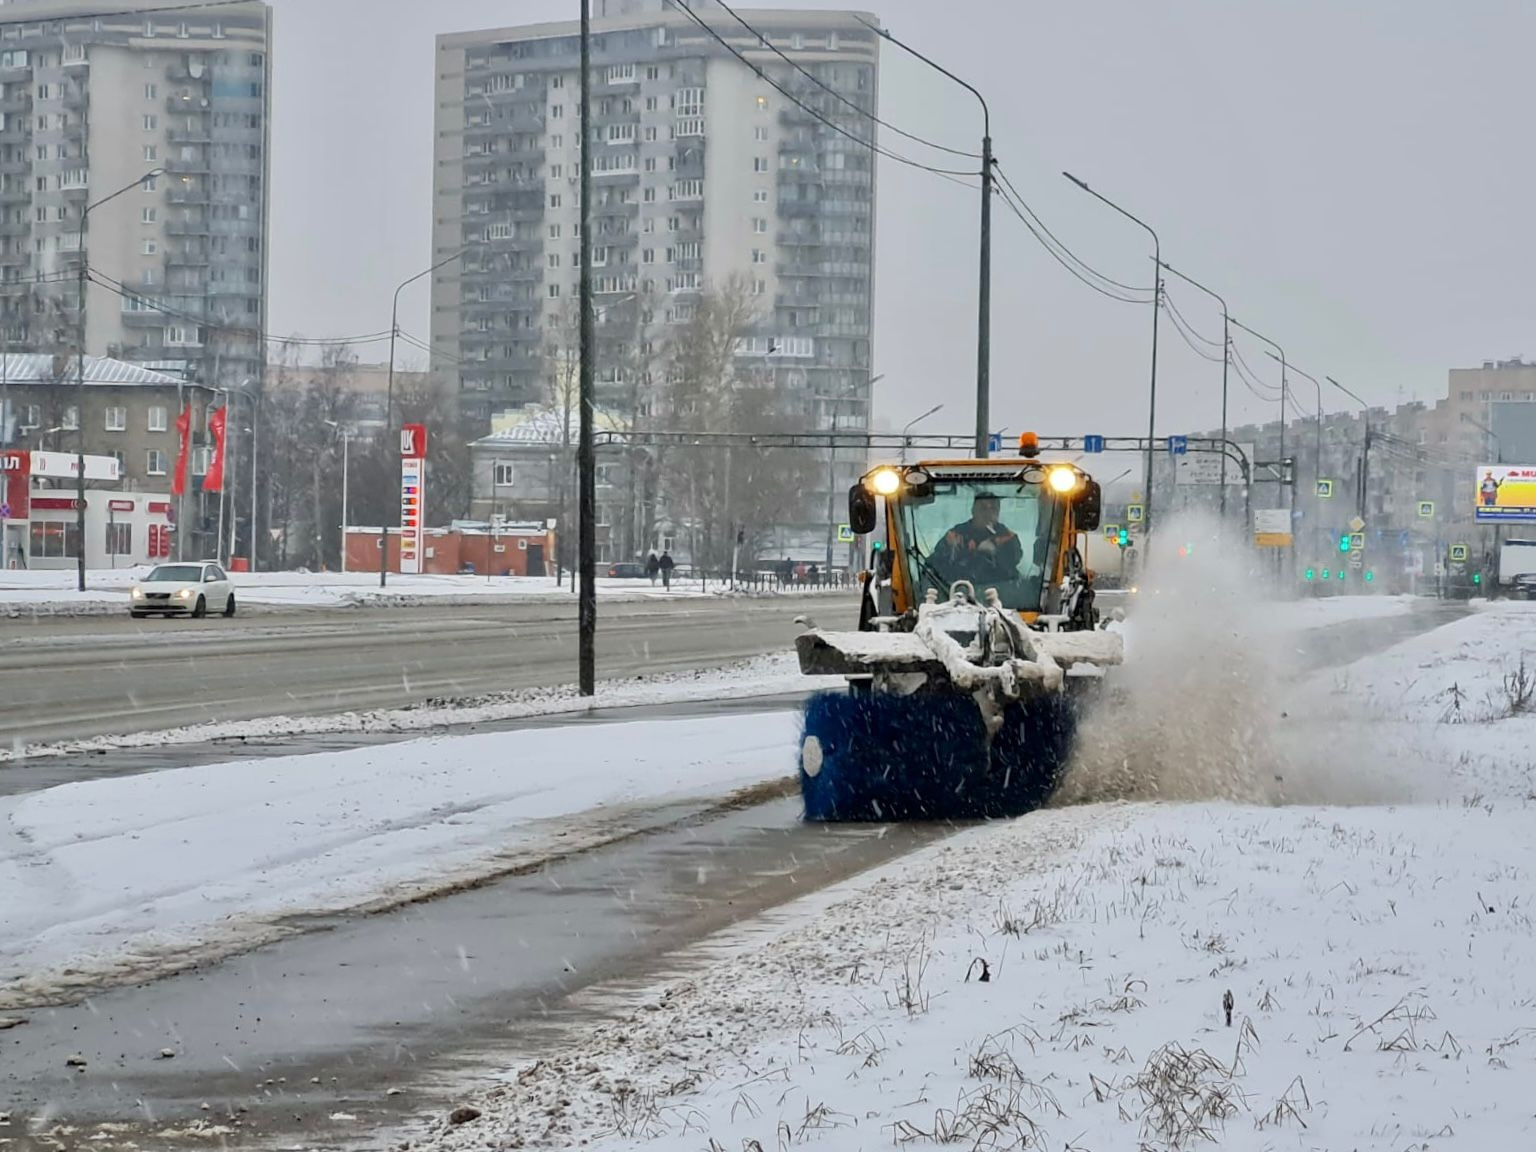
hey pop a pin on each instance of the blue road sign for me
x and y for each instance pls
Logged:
(995, 442)
(1178, 445)
(1093, 443)
(5, 511)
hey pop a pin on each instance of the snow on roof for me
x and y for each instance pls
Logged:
(38, 368)
(544, 426)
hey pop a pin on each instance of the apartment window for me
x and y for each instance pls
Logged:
(555, 171)
(648, 195)
(117, 419)
(154, 462)
(148, 215)
(556, 111)
(151, 153)
(554, 291)
(184, 336)
(650, 135)
(619, 73)
(557, 81)
(554, 231)
(650, 163)
(151, 123)
(759, 163)
(689, 102)
(119, 539)
(647, 226)
(760, 196)
(652, 72)
(687, 190)
(797, 41)
(673, 223)
(503, 478)
(201, 459)
(650, 103)
(759, 256)
(151, 247)
(557, 141)
(759, 287)
(554, 199)
(71, 419)
(151, 92)
(648, 256)
(760, 132)
(552, 260)
(759, 226)
(156, 421)
(693, 126)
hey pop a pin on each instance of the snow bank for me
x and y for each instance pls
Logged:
(53, 593)
(131, 877)
(777, 674)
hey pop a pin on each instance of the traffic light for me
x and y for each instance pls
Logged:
(1477, 577)
(1341, 573)
(1370, 577)
(1344, 542)
(1327, 573)
(1312, 574)
(1124, 539)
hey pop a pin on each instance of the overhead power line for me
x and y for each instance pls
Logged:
(1188, 335)
(809, 111)
(838, 95)
(1007, 200)
(1173, 310)
(1040, 224)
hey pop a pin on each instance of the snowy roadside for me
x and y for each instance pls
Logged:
(126, 879)
(26, 594)
(778, 674)
(1058, 981)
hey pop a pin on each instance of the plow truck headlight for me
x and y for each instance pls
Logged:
(885, 482)
(1062, 479)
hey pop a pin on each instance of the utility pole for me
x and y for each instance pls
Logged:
(984, 293)
(1157, 307)
(586, 462)
(1284, 385)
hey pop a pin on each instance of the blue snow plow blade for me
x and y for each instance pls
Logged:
(883, 757)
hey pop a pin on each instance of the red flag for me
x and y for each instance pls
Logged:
(214, 481)
(183, 450)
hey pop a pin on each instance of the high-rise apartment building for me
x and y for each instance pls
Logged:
(703, 176)
(91, 102)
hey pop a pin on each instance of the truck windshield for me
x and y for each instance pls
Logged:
(995, 534)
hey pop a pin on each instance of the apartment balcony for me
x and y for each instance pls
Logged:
(179, 165)
(187, 227)
(200, 134)
(182, 258)
(195, 192)
(179, 72)
(188, 104)
(17, 105)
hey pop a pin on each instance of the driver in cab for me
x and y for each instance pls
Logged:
(981, 549)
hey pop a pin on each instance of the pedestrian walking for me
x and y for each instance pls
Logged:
(665, 565)
(652, 567)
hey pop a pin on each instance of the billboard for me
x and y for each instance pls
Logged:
(1272, 527)
(1505, 493)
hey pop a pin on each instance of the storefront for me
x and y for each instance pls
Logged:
(41, 525)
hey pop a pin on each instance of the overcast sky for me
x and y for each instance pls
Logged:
(1353, 177)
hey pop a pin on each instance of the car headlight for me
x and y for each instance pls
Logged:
(137, 593)
(184, 594)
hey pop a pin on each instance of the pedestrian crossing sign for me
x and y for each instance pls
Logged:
(844, 534)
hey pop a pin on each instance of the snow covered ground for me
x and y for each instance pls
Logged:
(1360, 889)
(772, 675)
(25, 593)
(124, 878)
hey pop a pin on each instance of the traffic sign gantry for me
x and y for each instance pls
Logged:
(1093, 443)
(1178, 445)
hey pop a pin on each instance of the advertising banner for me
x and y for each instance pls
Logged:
(1506, 493)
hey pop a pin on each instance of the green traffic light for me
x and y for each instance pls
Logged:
(1344, 543)
(1311, 574)
(1327, 574)
(1477, 577)
(1370, 576)
(1341, 573)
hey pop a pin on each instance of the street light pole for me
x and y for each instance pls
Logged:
(1226, 362)
(1284, 385)
(1157, 306)
(1317, 421)
(910, 424)
(389, 395)
(984, 293)
(586, 458)
(85, 213)
(1365, 449)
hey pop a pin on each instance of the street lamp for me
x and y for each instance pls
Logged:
(1226, 361)
(346, 440)
(85, 213)
(1284, 384)
(389, 401)
(984, 294)
(1157, 304)
(909, 426)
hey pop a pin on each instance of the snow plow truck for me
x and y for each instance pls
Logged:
(977, 643)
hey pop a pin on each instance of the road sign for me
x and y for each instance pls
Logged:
(1178, 445)
(844, 534)
(1357, 525)
(1458, 552)
(1426, 509)
(1111, 531)
(1134, 513)
(5, 511)
(1357, 541)
(1356, 563)
(994, 443)
(1093, 443)
(1272, 527)
(1325, 489)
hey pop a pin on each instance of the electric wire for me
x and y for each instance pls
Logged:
(1073, 256)
(1174, 308)
(1184, 335)
(1003, 195)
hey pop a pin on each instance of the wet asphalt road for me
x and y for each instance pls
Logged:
(65, 679)
(392, 1001)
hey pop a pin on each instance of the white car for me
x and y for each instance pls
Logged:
(197, 589)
